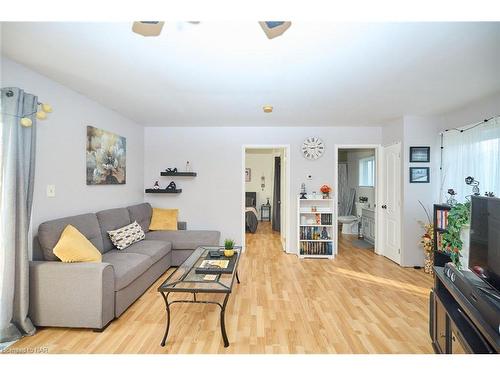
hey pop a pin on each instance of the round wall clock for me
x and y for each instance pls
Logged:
(313, 148)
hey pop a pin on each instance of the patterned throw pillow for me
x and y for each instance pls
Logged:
(126, 236)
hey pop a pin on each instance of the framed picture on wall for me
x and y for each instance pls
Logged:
(419, 175)
(248, 174)
(420, 154)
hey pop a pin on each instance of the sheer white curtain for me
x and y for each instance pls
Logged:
(474, 152)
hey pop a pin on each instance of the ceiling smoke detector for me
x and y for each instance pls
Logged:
(147, 28)
(267, 108)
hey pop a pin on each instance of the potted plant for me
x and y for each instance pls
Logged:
(228, 247)
(325, 189)
(455, 237)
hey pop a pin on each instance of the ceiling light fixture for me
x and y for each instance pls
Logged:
(267, 108)
(274, 28)
(147, 28)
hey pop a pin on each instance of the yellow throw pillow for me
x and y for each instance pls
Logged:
(75, 247)
(164, 219)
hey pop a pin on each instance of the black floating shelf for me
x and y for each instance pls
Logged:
(179, 174)
(163, 191)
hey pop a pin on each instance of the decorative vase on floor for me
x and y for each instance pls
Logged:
(428, 262)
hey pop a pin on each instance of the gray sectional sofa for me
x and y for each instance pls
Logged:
(91, 295)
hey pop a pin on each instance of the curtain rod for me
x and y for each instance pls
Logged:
(472, 126)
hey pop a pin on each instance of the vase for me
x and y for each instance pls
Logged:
(464, 252)
(428, 262)
(326, 195)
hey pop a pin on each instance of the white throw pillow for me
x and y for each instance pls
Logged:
(126, 236)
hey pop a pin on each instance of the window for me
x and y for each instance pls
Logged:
(474, 152)
(367, 171)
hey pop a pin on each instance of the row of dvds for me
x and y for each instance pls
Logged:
(316, 248)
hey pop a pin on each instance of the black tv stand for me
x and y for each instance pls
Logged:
(456, 326)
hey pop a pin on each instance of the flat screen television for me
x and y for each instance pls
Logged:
(484, 250)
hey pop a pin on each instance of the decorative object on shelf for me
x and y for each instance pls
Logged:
(313, 148)
(303, 193)
(452, 243)
(419, 175)
(420, 154)
(427, 241)
(363, 199)
(325, 189)
(188, 167)
(171, 170)
(263, 182)
(489, 194)
(324, 234)
(451, 199)
(156, 185)
(228, 247)
(471, 181)
(314, 195)
(106, 157)
(248, 174)
(171, 186)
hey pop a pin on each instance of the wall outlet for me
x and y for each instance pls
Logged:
(309, 177)
(51, 191)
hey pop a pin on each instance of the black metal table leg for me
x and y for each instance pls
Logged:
(165, 297)
(237, 277)
(223, 323)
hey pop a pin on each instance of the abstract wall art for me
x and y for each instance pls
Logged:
(106, 157)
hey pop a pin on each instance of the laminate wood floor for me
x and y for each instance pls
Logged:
(358, 303)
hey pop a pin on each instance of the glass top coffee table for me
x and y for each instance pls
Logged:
(185, 279)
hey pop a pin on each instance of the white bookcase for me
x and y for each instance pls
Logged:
(314, 218)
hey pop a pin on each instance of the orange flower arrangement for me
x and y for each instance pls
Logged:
(325, 189)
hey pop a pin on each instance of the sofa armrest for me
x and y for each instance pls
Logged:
(71, 294)
(181, 225)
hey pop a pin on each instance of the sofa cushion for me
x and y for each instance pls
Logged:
(74, 247)
(164, 219)
(186, 239)
(49, 232)
(154, 249)
(142, 214)
(127, 266)
(126, 236)
(110, 220)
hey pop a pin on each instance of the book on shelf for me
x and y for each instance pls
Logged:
(441, 219)
(316, 248)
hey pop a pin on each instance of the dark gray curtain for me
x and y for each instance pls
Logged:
(17, 170)
(276, 217)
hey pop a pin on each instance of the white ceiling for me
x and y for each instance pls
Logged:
(221, 73)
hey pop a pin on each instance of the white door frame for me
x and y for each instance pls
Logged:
(286, 198)
(378, 175)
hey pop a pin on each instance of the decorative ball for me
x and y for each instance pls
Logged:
(41, 115)
(47, 108)
(26, 122)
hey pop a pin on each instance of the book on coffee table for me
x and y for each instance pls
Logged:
(216, 266)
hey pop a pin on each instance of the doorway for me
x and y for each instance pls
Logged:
(266, 183)
(356, 195)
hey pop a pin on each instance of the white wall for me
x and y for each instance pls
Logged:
(261, 164)
(213, 199)
(418, 131)
(61, 143)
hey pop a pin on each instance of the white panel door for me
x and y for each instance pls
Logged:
(391, 203)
